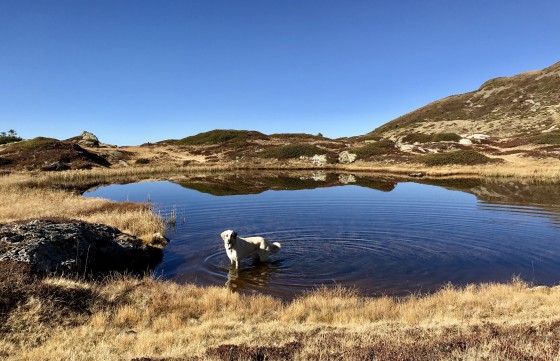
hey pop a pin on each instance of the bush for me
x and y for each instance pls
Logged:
(384, 146)
(548, 138)
(292, 151)
(460, 157)
(142, 161)
(446, 137)
(4, 161)
(9, 139)
(417, 138)
(427, 138)
(219, 136)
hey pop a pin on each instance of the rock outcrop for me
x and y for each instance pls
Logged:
(75, 247)
(347, 157)
(88, 140)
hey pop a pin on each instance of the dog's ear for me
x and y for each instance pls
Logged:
(233, 234)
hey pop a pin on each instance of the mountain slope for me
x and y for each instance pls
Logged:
(523, 104)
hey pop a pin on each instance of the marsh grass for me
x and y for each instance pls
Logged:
(123, 318)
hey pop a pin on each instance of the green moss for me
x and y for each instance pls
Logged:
(292, 151)
(460, 157)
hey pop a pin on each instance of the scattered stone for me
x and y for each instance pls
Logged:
(417, 175)
(465, 141)
(75, 247)
(347, 157)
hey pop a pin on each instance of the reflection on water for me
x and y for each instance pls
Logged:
(380, 234)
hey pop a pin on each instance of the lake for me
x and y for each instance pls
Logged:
(381, 235)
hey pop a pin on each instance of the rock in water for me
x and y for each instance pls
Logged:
(75, 247)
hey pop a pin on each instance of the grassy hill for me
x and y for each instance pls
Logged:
(526, 104)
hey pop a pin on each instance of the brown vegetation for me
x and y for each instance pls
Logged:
(126, 318)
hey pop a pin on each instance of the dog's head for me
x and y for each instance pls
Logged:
(229, 237)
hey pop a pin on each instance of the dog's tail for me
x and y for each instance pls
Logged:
(275, 247)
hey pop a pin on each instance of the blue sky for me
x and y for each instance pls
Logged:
(137, 71)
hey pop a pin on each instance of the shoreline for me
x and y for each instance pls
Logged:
(127, 318)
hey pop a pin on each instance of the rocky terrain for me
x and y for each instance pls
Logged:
(75, 247)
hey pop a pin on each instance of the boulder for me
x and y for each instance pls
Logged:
(347, 157)
(465, 141)
(75, 247)
(88, 140)
(317, 159)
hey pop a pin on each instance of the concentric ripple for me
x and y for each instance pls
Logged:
(412, 239)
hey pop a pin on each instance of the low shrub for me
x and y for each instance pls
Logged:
(292, 151)
(460, 157)
(219, 136)
(417, 138)
(9, 139)
(32, 143)
(446, 137)
(142, 161)
(548, 138)
(381, 147)
(427, 138)
(4, 161)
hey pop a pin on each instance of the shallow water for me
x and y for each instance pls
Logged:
(405, 238)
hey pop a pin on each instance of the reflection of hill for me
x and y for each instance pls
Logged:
(542, 196)
(245, 183)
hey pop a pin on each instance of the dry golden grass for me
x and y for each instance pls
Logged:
(23, 199)
(125, 318)
(128, 318)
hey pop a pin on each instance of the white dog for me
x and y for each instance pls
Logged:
(238, 248)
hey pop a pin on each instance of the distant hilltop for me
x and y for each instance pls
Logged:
(522, 105)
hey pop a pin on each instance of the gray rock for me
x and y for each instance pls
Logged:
(346, 157)
(75, 247)
(88, 140)
(317, 159)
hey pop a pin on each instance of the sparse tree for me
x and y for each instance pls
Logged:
(12, 133)
(319, 134)
(3, 135)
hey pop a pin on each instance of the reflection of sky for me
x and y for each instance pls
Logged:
(415, 237)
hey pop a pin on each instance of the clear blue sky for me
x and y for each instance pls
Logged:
(137, 71)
